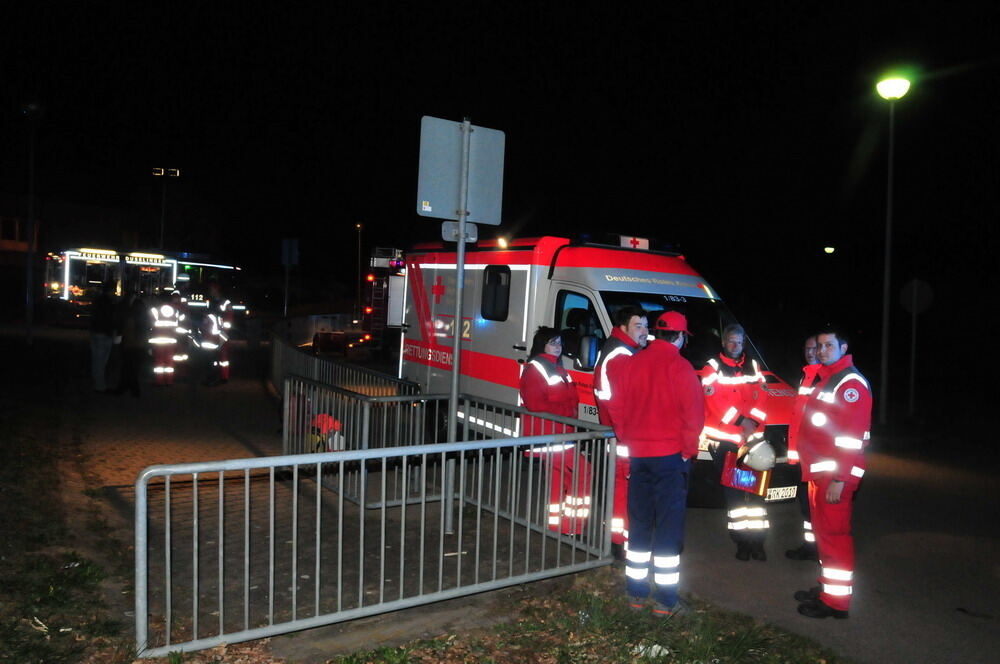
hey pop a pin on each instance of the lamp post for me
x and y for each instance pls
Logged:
(357, 301)
(891, 88)
(164, 173)
(31, 111)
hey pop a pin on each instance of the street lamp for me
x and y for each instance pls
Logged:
(890, 88)
(31, 111)
(165, 173)
(357, 302)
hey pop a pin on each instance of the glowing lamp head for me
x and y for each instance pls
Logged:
(892, 88)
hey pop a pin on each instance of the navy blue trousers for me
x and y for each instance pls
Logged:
(657, 497)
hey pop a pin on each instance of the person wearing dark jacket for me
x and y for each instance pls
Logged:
(133, 322)
(102, 333)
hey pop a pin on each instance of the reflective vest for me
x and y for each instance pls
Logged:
(734, 393)
(547, 388)
(216, 324)
(165, 319)
(835, 424)
(609, 402)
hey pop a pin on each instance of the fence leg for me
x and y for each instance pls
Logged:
(448, 495)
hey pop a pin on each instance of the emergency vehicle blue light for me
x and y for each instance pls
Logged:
(481, 322)
(746, 479)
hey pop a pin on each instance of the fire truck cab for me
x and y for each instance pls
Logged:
(511, 290)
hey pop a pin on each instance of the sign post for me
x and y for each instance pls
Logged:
(289, 258)
(460, 178)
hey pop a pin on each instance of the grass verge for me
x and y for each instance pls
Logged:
(592, 623)
(52, 607)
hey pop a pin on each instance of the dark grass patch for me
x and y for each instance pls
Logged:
(591, 622)
(51, 602)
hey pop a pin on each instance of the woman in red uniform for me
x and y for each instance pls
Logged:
(548, 388)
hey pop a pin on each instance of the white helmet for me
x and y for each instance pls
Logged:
(760, 456)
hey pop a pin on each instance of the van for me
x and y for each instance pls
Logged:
(513, 288)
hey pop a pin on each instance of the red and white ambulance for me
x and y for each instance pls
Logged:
(513, 288)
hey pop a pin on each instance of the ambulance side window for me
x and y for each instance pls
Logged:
(582, 334)
(496, 292)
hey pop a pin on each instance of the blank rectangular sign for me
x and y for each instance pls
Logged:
(439, 183)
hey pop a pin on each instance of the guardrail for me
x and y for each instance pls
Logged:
(243, 549)
(287, 360)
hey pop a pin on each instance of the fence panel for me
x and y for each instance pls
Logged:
(287, 360)
(236, 550)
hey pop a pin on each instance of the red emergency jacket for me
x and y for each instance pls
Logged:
(547, 388)
(805, 389)
(618, 348)
(835, 425)
(666, 406)
(734, 393)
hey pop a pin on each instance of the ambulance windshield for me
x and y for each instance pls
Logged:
(706, 320)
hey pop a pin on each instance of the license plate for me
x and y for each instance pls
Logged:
(781, 493)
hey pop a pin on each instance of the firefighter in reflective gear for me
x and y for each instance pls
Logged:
(214, 338)
(547, 388)
(629, 335)
(216, 328)
(182, 348)
(806, 550)
(735, 413)
(163, 342)
(832, 435)
(661, 427)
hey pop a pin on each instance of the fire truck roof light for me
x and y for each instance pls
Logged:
(224, 267)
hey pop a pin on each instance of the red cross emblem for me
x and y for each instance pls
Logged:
(634, 242)
(438, 290)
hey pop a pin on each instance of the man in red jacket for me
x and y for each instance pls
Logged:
(629, 335)
(661, 428)
(833, 431)
(806, 550)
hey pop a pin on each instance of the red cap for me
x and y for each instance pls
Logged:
(672, 320)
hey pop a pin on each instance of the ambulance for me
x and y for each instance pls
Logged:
(512, 288)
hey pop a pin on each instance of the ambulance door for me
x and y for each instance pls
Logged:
(578, 317)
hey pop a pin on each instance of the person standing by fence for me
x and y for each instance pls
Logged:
(546, 387)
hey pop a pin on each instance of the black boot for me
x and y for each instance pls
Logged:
(757, 551)
(742, 551)
(806, 551)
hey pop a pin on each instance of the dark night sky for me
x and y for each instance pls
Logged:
(749, 133)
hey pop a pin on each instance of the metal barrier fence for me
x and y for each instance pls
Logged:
(287, 360)
(243, 549)
(321, 418)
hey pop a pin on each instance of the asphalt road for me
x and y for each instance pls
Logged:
(927, 574)
(928, 555)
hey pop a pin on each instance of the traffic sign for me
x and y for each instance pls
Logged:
(439, 181)
(449, 232)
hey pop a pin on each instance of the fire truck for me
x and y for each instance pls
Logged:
(73, 277)
(512, 288)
